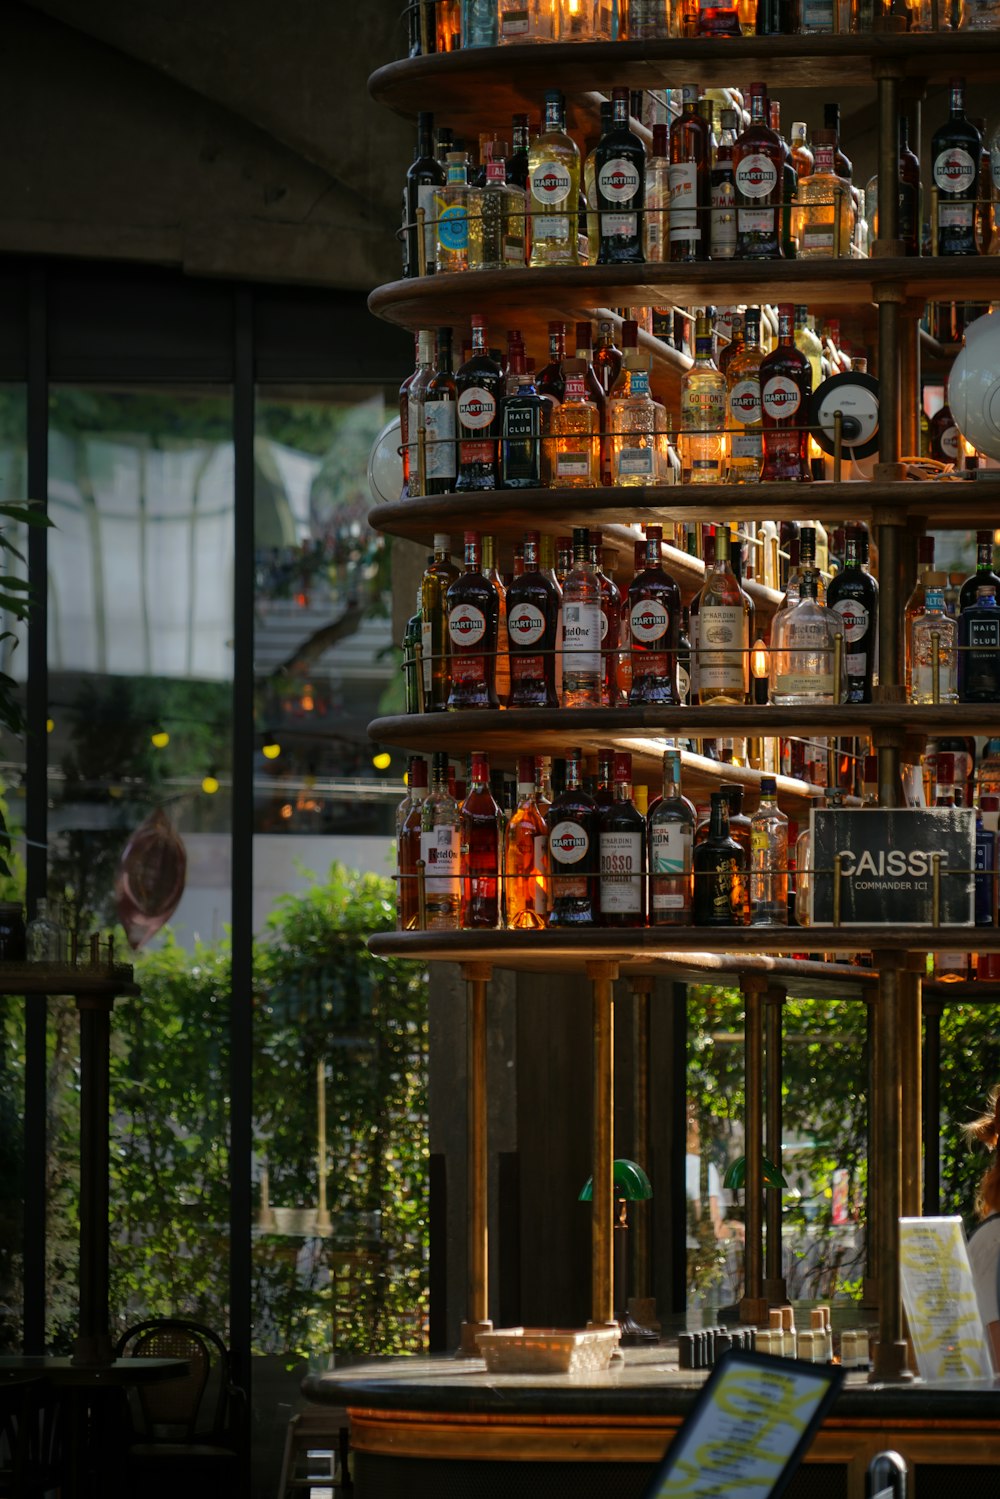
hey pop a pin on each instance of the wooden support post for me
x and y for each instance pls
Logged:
(753, 1307)
(931, 1100)
(910, 1049)
(642, 988)
(774, 1282)
(869, 1296)
(890, 1362)
(602, 976)
(477, 976)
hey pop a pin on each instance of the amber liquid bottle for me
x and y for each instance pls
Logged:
(480, 825)
(623, 844)
(473, 622)
(720, 873)
(785, 388)
(654, 613)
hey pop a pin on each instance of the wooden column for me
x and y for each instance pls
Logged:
(93, 1342)
(931, 1100)
(477, 976)
(642, 988)
(890, 1362)
(872, 1203)
(753, 1307)
(910, 1049)
(774, 1282)
(602, 976)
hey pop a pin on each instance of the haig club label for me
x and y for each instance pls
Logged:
(887, 858)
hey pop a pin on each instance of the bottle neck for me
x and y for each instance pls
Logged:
(531, 556)
(619, 115)
(758, 108)
(472, 556)
(478, 338)
(957, 101)
(786, 330)
(671, 779)
(751, 337)
(572, 774)
(444, 356)
(719, 822)
(553, 118)
(653, 551)
(852, 553)
(623, 791)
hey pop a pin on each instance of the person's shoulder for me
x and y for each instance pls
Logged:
(985, 1236)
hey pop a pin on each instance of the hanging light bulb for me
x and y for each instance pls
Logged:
(50, 724)
(382, 760)
(270, 748)
(210, 784)
(759, 667)
(159, 738)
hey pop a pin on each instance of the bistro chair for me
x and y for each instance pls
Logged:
(30, 1459)
(185, 1429)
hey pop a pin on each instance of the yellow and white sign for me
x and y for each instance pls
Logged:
(940, 1300)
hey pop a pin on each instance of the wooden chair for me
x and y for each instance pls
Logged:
(187, 1429)
(29, 1437)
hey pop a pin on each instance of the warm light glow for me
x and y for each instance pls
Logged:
(758, 659)
(287, 810)
(270, 749)
(949, 978)
(159, 738)
(307, 702)
(382, 760)
(50, 724)
(210, 784)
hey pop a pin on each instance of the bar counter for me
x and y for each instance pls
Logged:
(442, 1428)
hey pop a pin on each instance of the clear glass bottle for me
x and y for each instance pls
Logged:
(440, 421)
(724, 631)
(632, 420)
(479, 23)
(648, 20)
(492, 572)
(503, 216)
(43, 936)
(438, 577)
(743, 394)
(415, 395)
(670, 839)
(523, 21)
(581, 640)
(554, 189)
(821, 222)
(575, 434)
(807, 342)
(930, 622)
(803, 653)
(441, 852)
(657, 220)
(703, 413)
(459, 238)
(585, 20)
(690, 185)
(768, 859)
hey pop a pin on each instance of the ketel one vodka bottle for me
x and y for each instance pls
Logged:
(758, 173)
(853, 593)
(473, 627)
(441, 852)
(532, 626)
(619, 182)
(574, 852)
(670, 840)
(724, 626)
(785, 388)
(479, 387)
(554, 189)
(720, 873)
(480, 825)
(956, 152)
(654, 617)
(622, 838)
(581, 637)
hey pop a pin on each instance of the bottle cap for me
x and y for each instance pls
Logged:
(442, 541)
(525, 770)
(654, 533)
(768, 786)
(416, 773)
(597, 538)
(984, 538)
(630, 334)
(440, 762)
(989, 803)
(729, 119)
(622, 766)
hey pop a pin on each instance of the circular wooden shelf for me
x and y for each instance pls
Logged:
(75, 980)
(488, 83)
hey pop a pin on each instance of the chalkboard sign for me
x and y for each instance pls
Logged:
(887, 865)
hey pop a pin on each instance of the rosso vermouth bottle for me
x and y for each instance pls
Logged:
(479, 387)
(785, 388)
(532, 625)
(853, 594)
(480, 825)
(654, 615)
(473, 627)
(574, 854)
(622, 839)
(758, 173)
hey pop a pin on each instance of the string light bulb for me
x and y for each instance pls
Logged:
(759, 668)
(382, 760)
(159, 738)
(50, 724)
(210, 784)
(270, 748)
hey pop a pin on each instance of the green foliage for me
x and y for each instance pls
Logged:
(970, 1066)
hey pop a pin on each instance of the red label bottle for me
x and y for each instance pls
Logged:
(532, 625)
(785, 388)
(473, 624)
(758, 173)
(654, 613)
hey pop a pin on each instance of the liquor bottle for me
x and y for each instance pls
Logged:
(574, 851)
(404, 418)
(439, 417)
(590, 183)
(801, 156)
(619, 185)
(408, 825)
(931, 628)
(720, 873)
(948, 967)
(943, 436)
(670, 838)
(586, 20)
(632, 422)
(459, 239)
(581, 616)
(758, 170)
(831, 121)
(595, 392)
(526, 420)
(853, 594)
(983, 576)
(438, 577)
(575, 434)
(785, 388)
(817, 16)
(803, 652)
(822, 219)
(622, 842)
(441, 851)
(526, 882)
(768, 859)
(708, 557)
(743, 381)
(532, 626)
(722, 189)
(479, 23)
(424, 180)
(979, 649)
(479, 385)
(480, 828)
(517, 161)
(690, 189)
(648, 20)
(656, 224)
(551, 378)
(729, 350)
(739, 823)
(684, 667)
(415, 394)
(807, 342)
(910, 214)
(611, 623)
(554, 189)
(956, 149)
(607, 356)
(411, 639)
(703, 413)
(502, 210)
(986, 861)
(473, 624)
(724, 626)
(654, 610)
(524, 21)
(491, 571)
(927, 577)
(778, 17)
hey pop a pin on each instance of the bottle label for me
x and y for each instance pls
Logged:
(551, 182)
(618, 180)
(649, 620)
(520, 422)
(954, 171)
(746, 446)
(744, 401)
(984, 634)
(684, 201)
(636, 461)
(515, 22)
(818, 238)
(720, 669)
(756, 220)
(439, 427)
(581, 639)
(684, 683)
(949, 443)
(780, 398)
(856, 619)
(955, 215)
(619, 225)
(604, 627)
(476, 408)
(671, 845)
(569, 842)
(453, 227)
(466, 626)
(441, 851)
(756, 176)
(550, 228)
(427, 654)
(525, 625)
(427, 200)
(655, 237)
(818, 685)
(703, 407)
(621, 873)
(723, 220)
(572, 465)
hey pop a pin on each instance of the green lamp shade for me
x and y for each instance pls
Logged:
(631, 1182)
(736, 1176)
